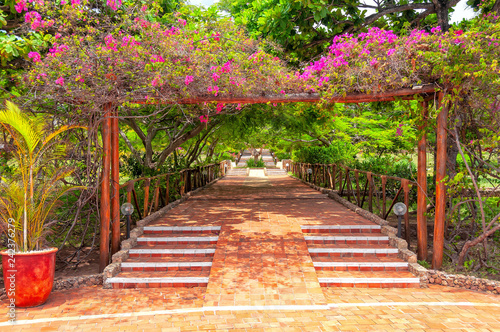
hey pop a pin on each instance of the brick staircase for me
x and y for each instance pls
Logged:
(169, 256)
(237, 172)
(356, 256)
(276, 172)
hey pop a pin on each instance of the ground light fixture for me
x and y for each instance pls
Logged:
(287, 164)
(399, 209)
(127, 210)
(310, 172)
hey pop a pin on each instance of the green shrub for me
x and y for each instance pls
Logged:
(338, 152)
(252, 164)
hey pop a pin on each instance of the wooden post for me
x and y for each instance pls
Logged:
(130, 188)
(334, 176)
(370, 191)
(422, 188)
(358, 192)
(384, 195)
(105, 203)
(115, 185)
(437, 258)
(147, 183)
(167, 191)
(406, 188)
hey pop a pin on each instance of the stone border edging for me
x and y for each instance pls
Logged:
(463, 281)
(116, 261)
(402, 246)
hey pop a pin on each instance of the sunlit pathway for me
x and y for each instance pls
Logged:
(262, 277)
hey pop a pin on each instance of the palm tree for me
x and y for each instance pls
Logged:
(28, 197)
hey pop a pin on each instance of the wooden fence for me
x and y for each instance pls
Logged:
(149, 194)
(365, 189)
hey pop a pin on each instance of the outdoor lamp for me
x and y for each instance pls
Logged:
(127, 210)
(310, 172)
(287, 164)
(399, 209)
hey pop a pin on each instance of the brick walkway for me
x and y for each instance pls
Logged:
(262, 277)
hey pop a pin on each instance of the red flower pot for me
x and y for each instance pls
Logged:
(28, 277)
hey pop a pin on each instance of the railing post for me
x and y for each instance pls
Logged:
(167, 191)
(406, 188)
(147, 183)
(358, 191)
(384, 195)
(370, 191)
(130, 187)
(334, 176)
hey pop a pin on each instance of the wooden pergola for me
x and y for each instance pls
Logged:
(110, 200)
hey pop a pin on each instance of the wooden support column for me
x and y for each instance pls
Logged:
(422, 188)
(105, 202)
(439, 221)
(115, 185)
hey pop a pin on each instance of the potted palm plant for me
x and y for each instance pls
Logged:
(27, 198)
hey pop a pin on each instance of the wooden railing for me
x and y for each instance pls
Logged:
(149, 194)
(365, 189)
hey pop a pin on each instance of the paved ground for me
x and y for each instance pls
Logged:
(262, 278)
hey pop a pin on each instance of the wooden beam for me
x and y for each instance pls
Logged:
(105, 204)
(427, 92)
(422, 187)
(439, 221)
(115, 185)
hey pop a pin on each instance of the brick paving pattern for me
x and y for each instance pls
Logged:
(262, 275)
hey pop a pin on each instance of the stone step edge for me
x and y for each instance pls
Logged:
(182, 228)
(180, 280)
(165, 264)
(340, 227)
(353, 250)
(179, 239)
(171, 251)
(369, 280)
(343, 237)
(361, 264)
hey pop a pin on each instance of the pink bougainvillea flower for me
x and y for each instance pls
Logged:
(214, 89)
(35, 56)
(114, 4)
(188, 79)
(204, 118)
(144, 8)
(219, 107)
(182, 22)
(21, 6)
(157, 58)
(60, 81)
(282, 91)
(75, 2)
(374, 62)
(34, 19)
(238, 107)
(215, 77)
(459, 32)
(391, 51)
(436, 30)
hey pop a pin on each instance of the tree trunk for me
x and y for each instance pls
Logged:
(496, 7)
(441, 8)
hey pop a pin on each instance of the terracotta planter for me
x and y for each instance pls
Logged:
(29, 278)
